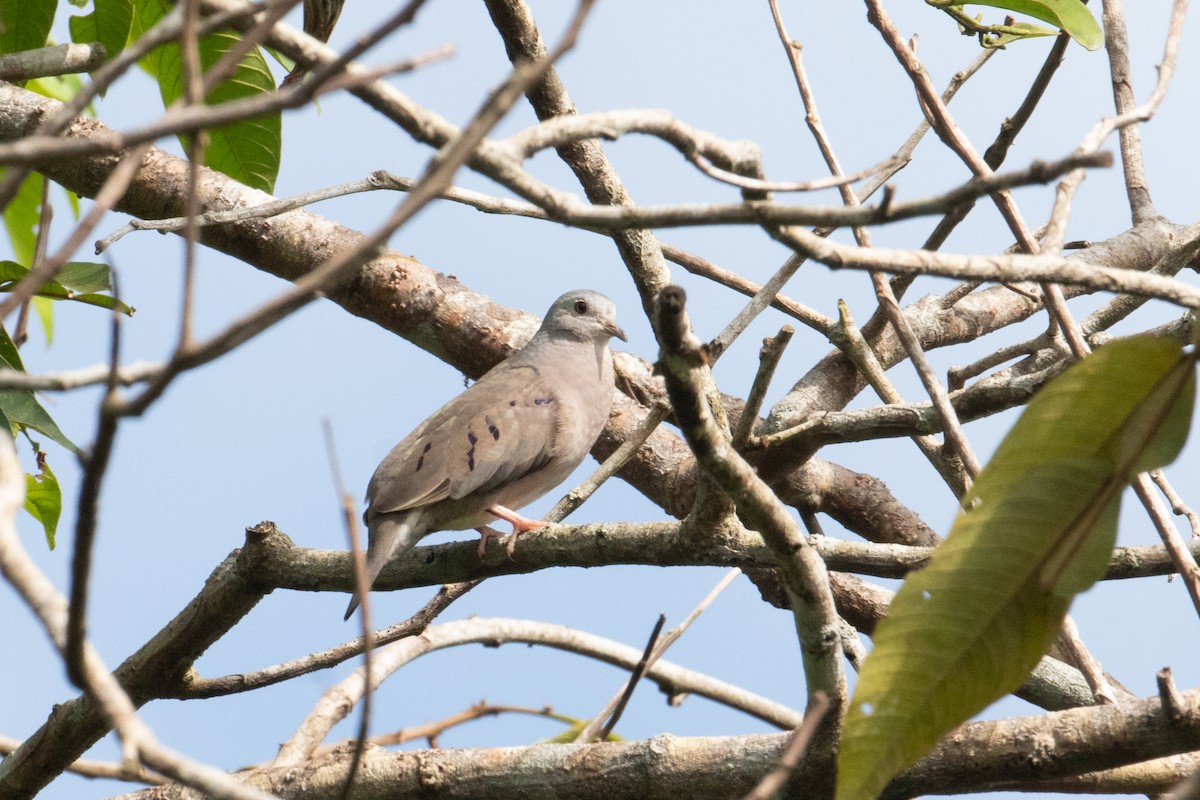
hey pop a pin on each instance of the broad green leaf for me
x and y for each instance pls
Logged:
(283, 61)
(21, 217)
(78, 276)
(104, 301)
(109, 24)
(78, 281)
(43, 499)
(72, 201)
(1070, 15)
(85, 276)
(58, 87)
(44, 307)
(24, 411)
(25, 24)
(10, 357)
(248, 151)
(1037, 527)
(21, 408)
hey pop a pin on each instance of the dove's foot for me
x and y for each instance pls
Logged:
(486, 535)
(520, 524)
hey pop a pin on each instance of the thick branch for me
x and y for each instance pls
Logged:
(979, 756)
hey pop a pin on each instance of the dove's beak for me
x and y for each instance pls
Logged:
(616, 331)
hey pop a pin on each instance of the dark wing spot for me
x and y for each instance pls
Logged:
(512, 403)
(472, 438)
(541, 401)
(492, 429)
(421, 459)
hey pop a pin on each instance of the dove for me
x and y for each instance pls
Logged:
(508, 439)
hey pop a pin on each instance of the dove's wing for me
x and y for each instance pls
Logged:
(501, 429)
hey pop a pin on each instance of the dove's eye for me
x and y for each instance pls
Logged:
(581, 307)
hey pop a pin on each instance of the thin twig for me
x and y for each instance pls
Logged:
(759, 185)
(430, 731)
(762, 298)
(955, 434)
(793, 755)
(859, 351)
(611, 466)
(196, 147)
(768, 360)
(136, 372)
(1083, 660)
(639, 670)
(199, 688)
(1116, 44)
(338, 699)
(655, 648)
(1160, 517)
(1178, 506)
(95, 465)
(97, 769)
(362, 590)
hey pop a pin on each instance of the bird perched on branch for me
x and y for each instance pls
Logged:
(504, 442)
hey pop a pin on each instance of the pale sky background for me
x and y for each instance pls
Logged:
(240, 440)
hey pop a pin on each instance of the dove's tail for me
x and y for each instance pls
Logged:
(388, 535)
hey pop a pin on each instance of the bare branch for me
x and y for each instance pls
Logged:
(59, 59)
(338, 699)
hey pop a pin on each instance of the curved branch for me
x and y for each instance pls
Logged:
(339, 699)
(1081, 744)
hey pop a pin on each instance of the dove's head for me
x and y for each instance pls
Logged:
(583, 315)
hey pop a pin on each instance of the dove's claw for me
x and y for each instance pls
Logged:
(520, 525)
(486, 534)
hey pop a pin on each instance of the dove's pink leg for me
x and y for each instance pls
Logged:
(520, 525)
(486, 534)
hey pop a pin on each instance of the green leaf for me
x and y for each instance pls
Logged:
(283, 61)
(44, 307)
(25, 24)
(1038, 527)
(85, 276)
(570, 735)
(78, 281)
(9, 354)
(1005, 34)
(248, 151)
(109, 23)
(72, 201)
(20, 408)
(21, 217)
(1070, 15)
(105, 301)
(43, 498)
(24, 411)
(58, 87)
